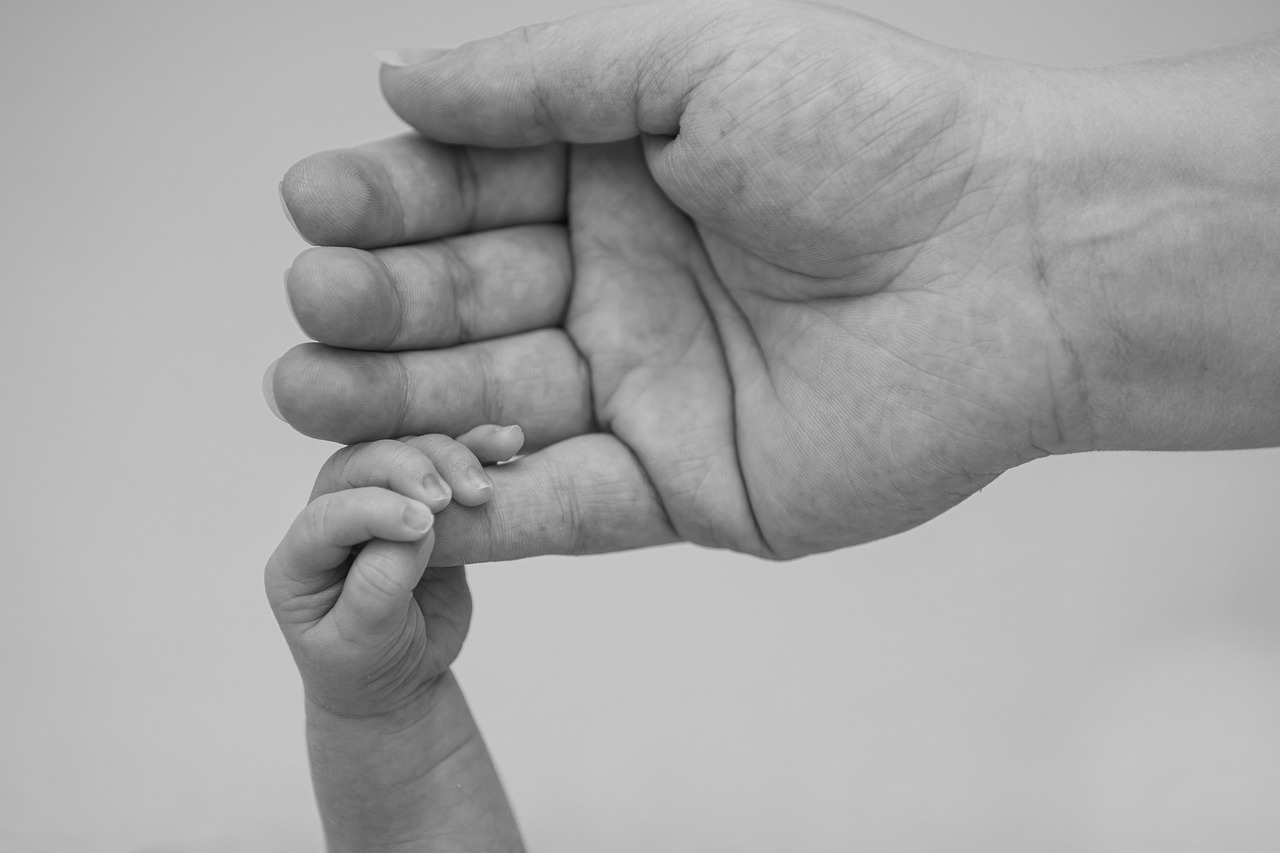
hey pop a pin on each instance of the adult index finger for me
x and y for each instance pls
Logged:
(408, 188)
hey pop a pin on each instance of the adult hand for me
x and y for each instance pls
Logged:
(774, 278)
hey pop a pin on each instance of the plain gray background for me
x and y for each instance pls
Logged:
(1084, 656)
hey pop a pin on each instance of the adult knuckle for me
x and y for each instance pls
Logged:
(461, 283)
(531, 41)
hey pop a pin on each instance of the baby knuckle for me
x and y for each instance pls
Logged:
(381, 570)
(335, 467)
(384, 451)
(458, 459)
(316, 518)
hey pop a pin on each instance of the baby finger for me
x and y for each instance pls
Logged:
(389, 464)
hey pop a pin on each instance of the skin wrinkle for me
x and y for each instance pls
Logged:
(399, 314)
(585, 373)
(892, 411)
(896, 169)
(756, 344)
(1040, 281)
(340, 460)
(462, 284)
(734, 119)
(378, 577)
(921, 142)
(306, 608)
(544, 117)
(402, 725)
(673, 264)
(650, 82)
(916, 244)
(482, 377)
(820, 186)
(914, 371)
(707, 323)
(468, 184)
(376, 200)
(701, 288)
(941, 144)
(765, 545)
(655, 377)
(406, 394)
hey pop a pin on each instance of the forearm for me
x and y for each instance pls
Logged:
(1157, 208)
(421, 782)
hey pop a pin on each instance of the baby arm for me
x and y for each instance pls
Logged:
(396, 758)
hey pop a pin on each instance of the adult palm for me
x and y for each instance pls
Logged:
(795, 303)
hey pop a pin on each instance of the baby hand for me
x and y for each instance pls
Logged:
(370, 627)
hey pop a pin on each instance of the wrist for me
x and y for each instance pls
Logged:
(332, 710)
(1157, 203)
(419, 778)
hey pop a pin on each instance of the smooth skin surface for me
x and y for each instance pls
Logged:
(781, 279)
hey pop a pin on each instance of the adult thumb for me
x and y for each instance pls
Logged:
(601, 76)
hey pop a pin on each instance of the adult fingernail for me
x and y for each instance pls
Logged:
(288, 214)
(478, 479)
(417, 518)
(436, 489)
(407, 56)
(293, 310)
(269, 391)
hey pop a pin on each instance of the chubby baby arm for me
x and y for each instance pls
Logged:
(397, 760)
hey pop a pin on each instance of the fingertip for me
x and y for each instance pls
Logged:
(343, 297)
(407, 56)
(436, 492)
(337, 394)
(425, 546)
(480, 484)
(493, 443)
(417, 517)
(512, 438)
(471, 485)
(288, 214)
(338, 198)
(268, 389)
(458, 465)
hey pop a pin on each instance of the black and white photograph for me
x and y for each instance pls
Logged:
(693, 426)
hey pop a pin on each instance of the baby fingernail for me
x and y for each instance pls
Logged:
(417, 518)
(407, 56)
(435, 489)
(477, 479)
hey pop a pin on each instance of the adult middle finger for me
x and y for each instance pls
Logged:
(433, 294)
(537, 380)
